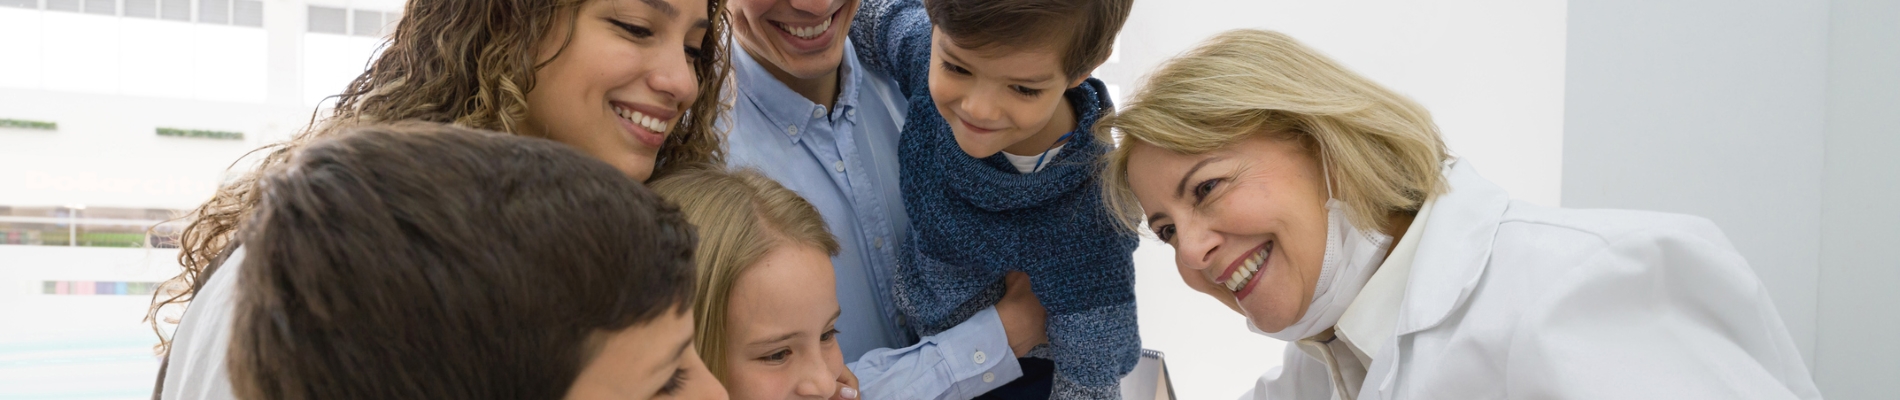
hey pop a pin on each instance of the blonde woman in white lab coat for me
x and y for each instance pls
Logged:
(1326, 209)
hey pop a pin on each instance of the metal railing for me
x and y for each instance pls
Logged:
(115, 238)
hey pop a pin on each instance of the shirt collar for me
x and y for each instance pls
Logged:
(1373, 315)
(784, 107)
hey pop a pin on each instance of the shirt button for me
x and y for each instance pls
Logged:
(850, 113)
(980, 357)
(838, 165)
(989, 377)
(792, 129)
(879, 242)
(818, 112)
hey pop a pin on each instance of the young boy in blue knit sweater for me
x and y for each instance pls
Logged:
(998, 168)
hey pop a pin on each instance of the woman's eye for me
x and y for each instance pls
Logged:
(637, 31)
(954, 69)
(781, 355)
(695, 53)
(1165, 233)
(1026, 91)
(1204, 188)
(829, 335)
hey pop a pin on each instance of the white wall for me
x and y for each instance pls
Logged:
(110, 81)
(1712, 108)
(1856, 356)
(1491, 72)
(77, 346)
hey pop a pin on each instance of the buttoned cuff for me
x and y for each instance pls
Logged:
(977, 354)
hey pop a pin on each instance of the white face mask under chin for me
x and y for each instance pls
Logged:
(1352, 255)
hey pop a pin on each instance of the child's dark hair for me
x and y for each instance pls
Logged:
(421, 260)
(1083, 30)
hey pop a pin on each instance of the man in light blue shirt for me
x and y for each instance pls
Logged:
(808, 115)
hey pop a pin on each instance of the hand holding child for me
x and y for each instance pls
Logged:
(1025, 321)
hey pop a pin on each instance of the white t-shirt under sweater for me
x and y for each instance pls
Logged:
(1027, 164)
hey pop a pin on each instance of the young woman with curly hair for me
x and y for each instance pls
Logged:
(635, 83)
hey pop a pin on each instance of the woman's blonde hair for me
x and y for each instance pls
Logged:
(466, 62)
(1382, 149)
(741, 215)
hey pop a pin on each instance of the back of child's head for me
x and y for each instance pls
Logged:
(740, 216)
(1082, 31)
(421, 260)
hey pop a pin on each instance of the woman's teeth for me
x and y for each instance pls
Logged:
(807, 32)
(1247, 269)
(645, 121)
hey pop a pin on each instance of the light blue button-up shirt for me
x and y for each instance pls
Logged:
(843, 160)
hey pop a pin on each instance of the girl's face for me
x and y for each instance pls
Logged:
(654, 360)
(781, 335)
(1247, 222)
(623, 80)
(995, 99)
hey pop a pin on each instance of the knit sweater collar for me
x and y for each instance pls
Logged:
(993, 184)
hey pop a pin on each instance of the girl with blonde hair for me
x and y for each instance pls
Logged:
(634, 83)
(767, 308)
(1325, 208)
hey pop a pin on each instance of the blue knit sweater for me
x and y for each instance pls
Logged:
(973, 220)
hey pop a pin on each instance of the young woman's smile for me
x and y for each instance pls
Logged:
(617, 77)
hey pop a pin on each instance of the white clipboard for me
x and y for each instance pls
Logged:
(1149, 380)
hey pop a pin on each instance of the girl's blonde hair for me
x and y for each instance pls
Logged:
(741, 215)
(469, 63)
(1383, 152)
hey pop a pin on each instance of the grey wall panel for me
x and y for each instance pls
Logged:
(1712, 108)
(1857, 354)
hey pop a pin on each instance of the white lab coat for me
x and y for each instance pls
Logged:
(1510, 300)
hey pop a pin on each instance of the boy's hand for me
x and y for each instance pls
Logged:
(847, 386)
(1024, 319)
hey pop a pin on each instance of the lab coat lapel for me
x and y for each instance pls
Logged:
(1452, 254)
(1454, 249)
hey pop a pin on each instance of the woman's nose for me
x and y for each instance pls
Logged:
(675, 79)
(1195, 248)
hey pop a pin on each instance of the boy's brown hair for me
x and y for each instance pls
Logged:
(426, 261)
(1082, 30)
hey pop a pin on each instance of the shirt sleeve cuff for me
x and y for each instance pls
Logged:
(977, 355)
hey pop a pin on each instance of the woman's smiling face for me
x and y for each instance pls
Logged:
(622, 80)
(1247, 222)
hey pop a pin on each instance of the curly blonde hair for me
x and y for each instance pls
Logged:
(1384, 152)
(466, 62)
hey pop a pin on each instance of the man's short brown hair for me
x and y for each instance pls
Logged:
(1082, 30)
(426, 261)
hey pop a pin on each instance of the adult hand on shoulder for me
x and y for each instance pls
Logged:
(1024, 319)
(847, 386)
